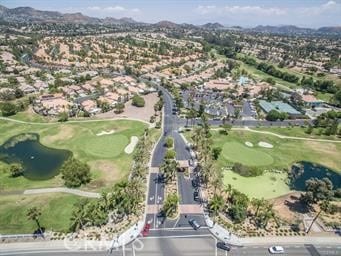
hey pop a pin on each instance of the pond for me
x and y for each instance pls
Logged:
(39, 162)
(303, 171)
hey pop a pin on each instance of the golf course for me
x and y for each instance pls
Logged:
(247, 147)
(104, 154)
(101, 144)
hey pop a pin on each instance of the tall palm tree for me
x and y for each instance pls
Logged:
(216, 205)
(34, 213)
(324, 207)
(216, 178)
(257, 204)
(169, 168)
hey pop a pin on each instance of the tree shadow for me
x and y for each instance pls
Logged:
(295, 205)
(39, 233)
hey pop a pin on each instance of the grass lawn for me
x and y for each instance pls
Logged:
(236, 152)
(266, 186)
(296, 132)
(105, 154)
(284, 153)
(56, 212)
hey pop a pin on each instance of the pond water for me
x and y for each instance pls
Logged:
(303, 171)
(39, 162)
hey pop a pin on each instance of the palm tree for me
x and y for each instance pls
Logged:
(34, 213)
(216, 205)
(258, 204)
(168, 168)
(216, 178)
(324, 207)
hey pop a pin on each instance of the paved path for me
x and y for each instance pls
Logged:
(281, 136)
(76, 121)
(287, 137)
(62, 190)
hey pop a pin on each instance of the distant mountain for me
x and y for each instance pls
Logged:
(290, 29)
(124, 20)
(213, 26)
(28, 14)
(336, 30)
(166, 24)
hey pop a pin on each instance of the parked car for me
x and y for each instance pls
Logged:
(195, 183)
(276, 250)
(145, 230)
(223, 246)
(196, 196)
(195, 225)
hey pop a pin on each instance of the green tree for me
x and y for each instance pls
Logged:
(226, 128)
(169, 142)
(138, 101)
(63, 117)
(216, 151)
(34, 213)
(16, 170)
(169, 169)
(8, 109)
(170, 154)
(75, 173)
(119, 108)
(273, 115)
(170, 205)
(216, 204)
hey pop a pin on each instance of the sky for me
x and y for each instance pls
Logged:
(246, 13)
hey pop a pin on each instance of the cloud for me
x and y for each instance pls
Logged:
(238, 10)
(112, 9)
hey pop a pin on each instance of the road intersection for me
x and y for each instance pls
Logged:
(175, 237)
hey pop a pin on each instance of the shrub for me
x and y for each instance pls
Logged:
(16, 170)
(169, 142)
(8, 109)
(170, 154)
(138, 101)
(246, 171)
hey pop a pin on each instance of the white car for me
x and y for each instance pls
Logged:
(276, 250)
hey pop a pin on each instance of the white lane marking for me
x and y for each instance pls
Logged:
(215, 245)
(177, 229)
(179, 236)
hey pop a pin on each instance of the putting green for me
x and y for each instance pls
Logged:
(237, 152)
(106, 146)
(268, 185)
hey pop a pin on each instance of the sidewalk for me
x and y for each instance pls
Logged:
(221, 233)
(292, 240)
(62, 190)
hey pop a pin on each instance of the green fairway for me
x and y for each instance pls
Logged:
(105, 154)
(237, 152)
(266, 186)
(284, 153)
(106, 146)
(56, 212)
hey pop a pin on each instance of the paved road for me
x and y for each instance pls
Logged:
(251, 123)
(186, 245)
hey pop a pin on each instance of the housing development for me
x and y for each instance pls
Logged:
(121, 137)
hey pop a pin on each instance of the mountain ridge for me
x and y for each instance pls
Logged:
(29, 14)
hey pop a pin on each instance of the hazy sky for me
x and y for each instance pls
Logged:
(307, 13)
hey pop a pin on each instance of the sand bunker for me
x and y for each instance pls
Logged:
(265, 144)
(105, 133)
(249, 144)
(130, 147)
